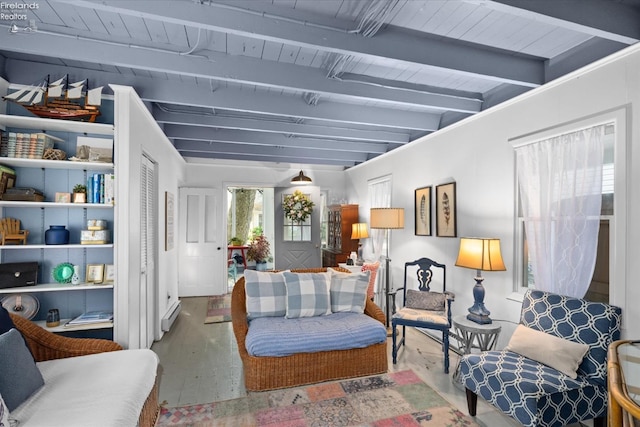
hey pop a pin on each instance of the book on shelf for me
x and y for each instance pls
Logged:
(91, 317)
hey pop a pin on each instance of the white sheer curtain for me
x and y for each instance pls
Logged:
(560, 183)
(379, 197)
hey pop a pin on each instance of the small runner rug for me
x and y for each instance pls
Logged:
(388, 400)
(218, 309)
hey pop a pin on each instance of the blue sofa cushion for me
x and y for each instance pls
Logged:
(279, 336)
(266, 294)
(348, 291)
(307, 294)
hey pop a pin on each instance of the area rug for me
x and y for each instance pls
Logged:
(388, 400)
(218, 309)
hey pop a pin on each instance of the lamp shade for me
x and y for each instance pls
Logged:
(387, 218)
(480, 254)
(359, 230)
(301, 178)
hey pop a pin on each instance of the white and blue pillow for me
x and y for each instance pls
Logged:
(307, 294)
(348, 291)
(266, 294)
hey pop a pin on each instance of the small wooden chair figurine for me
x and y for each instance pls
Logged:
(11, 233)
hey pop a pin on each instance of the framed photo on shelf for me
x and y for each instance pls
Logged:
(423, 211)
(109, 273)
(63, 197)
(95, 273)
(446, 210)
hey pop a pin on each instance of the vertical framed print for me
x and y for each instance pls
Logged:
(422, 211)
(446, 210)
(169, 207)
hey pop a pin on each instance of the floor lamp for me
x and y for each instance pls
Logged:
(387, 219)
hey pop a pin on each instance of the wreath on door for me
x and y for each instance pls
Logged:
(297, 206)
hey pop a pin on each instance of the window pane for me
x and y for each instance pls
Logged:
(306, 233)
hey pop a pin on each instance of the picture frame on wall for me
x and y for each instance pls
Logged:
(422, 210)
(169, 206)
(446, 220)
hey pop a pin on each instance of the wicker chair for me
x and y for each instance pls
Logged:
(45, 345)
(267, 373)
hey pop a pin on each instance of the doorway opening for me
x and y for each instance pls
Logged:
(250, 213)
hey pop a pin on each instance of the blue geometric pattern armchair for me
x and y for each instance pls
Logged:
(538, 395)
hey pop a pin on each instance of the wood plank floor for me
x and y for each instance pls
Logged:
(201, 364)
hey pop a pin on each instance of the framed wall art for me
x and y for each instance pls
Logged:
(446, 210)
(423, 211)
(169, 204)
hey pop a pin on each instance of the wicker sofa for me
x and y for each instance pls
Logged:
(266, 373)
(46, 346)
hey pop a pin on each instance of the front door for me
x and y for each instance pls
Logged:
(297, 245)
(200, 244)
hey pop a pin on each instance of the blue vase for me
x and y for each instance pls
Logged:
(56, 235)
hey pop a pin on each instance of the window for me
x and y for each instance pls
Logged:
(599, 286)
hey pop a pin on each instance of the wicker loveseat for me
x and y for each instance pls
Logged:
(46, 346)
(266, 373)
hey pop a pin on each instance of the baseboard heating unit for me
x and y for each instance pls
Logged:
(171, 316)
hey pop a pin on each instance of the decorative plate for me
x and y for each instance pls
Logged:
(23, 305)
(62, 272)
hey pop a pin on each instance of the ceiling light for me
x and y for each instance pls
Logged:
(301, 178)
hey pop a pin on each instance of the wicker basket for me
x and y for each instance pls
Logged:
(54, 154)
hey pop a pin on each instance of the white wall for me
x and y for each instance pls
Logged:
(477, 155)
(139, 134)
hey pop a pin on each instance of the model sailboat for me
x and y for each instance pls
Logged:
(60, 100)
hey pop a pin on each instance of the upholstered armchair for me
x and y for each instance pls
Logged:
(561, 378)
(422, 307)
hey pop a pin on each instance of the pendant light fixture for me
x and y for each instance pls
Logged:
(301, 178)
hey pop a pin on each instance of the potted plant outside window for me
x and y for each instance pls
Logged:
(80, 194)
(259, 251)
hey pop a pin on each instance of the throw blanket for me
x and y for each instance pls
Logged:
(277, 336)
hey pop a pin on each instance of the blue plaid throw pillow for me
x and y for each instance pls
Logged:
(266, 294)
(348, 291)
(307, 294)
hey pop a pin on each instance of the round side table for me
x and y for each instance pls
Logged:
(473, 335)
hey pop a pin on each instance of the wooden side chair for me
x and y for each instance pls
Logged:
(423, 307)
(11, 233)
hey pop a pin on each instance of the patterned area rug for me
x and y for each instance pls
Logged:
(218, 309)
(388, 400)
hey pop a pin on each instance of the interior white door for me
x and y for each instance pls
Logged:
(148, 252)
(200, 244)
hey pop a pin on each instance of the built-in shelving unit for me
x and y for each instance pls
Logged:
(51, 176)
(56, 287)
(339, 242)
